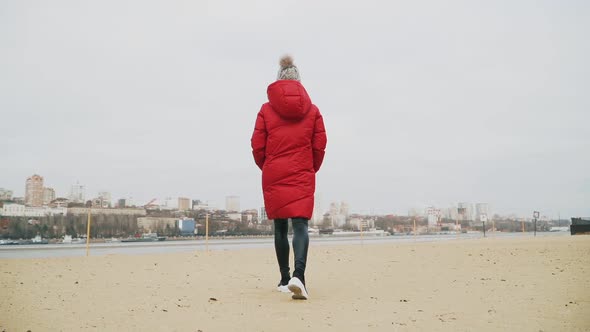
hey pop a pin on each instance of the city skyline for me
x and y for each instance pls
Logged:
(424, 105)
(232, 203)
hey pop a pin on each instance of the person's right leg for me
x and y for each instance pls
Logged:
(282, 249)
(300, 245)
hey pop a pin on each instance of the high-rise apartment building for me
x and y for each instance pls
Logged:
(482, 209)
(334, 208)
(465, 211)
(78, 193)
(232, 203)
(106, 198)
(337, 218)
(48, 195)
(318, 215)
(125, 202)
(433, 215)
(121, 203)
(34, 191)
(263, 215)
(451, 213)
(184, 204)
(344, 209)
(103, 200)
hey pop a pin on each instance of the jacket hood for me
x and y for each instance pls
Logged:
(289, 99)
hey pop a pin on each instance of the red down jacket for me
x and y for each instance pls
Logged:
(288, 145)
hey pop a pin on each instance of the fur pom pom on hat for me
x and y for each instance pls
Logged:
(288, 71)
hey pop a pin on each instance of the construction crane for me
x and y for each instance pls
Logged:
(150, 202)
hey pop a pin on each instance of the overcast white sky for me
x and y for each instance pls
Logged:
(425, 102)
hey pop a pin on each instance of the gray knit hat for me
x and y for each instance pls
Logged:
(288, 71)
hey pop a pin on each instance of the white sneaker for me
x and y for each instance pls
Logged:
(283, 288)
(298, 289)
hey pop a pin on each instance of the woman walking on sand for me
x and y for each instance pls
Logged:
(288, 145)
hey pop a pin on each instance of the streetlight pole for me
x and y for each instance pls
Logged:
(483, 217)
(460, 212)
(361, 227)
(457, 225)
(88, 230)
(207, 231)
(536, 216)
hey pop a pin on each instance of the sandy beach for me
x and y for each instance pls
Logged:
(492, 284)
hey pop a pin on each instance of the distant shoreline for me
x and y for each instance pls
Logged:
(231, 243)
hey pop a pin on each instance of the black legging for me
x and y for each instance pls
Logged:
(300, 245)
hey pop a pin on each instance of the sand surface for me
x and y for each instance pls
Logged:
(516, 284)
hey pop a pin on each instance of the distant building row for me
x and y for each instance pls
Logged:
(462, 212)
(20, 210)
(37, 195)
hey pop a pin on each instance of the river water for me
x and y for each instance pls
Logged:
(141, 248)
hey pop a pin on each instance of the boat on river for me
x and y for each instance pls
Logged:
(68, 239)
(147, 237)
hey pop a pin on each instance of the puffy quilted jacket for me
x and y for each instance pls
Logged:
(288, 145)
